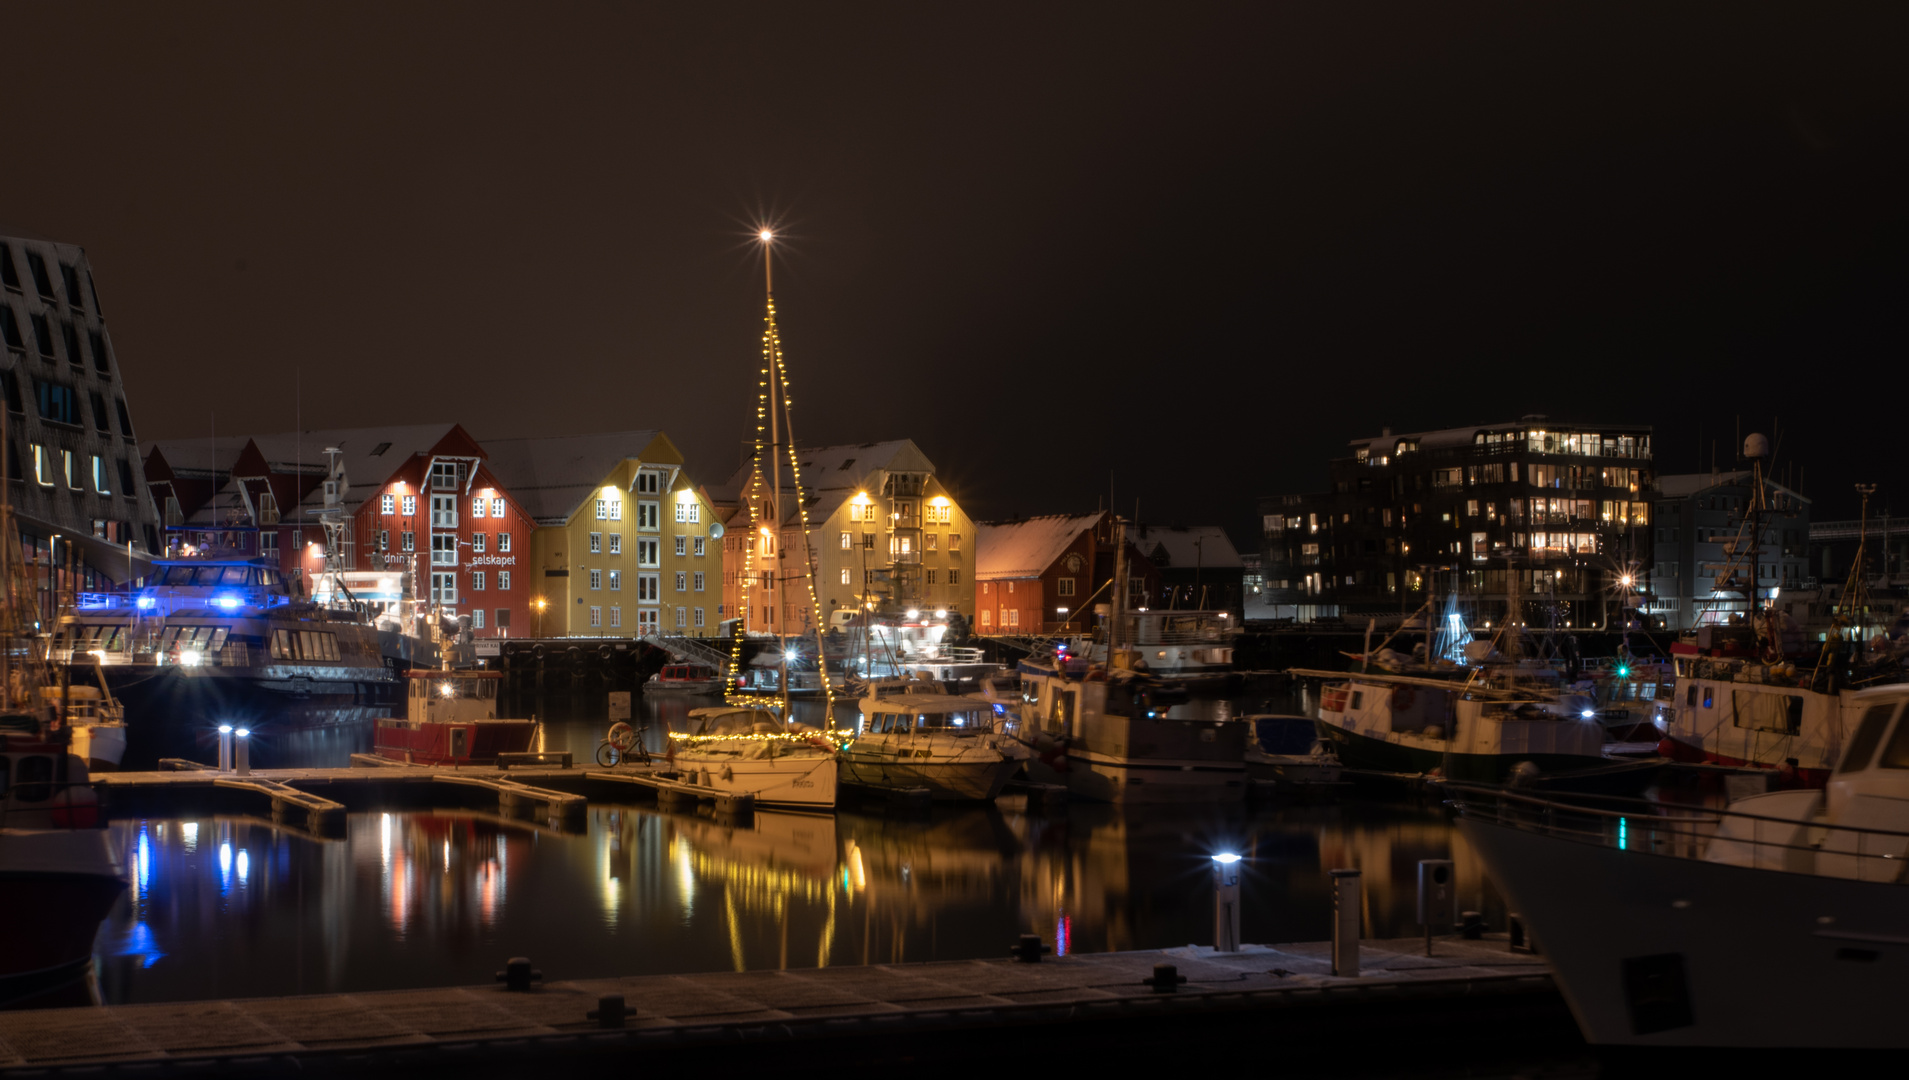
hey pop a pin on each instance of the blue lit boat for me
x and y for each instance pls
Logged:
(233, 640)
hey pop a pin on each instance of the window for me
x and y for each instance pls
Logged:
(387, 504)
(42, 465)
(616, 616)
(682, 617)
(68, 467)
(596, 543)
(10, 328)
(72, 339)
(9, 274)
(125, 419)
(648, 587)
(596, 579)
(410, 505)
(497, 511)
(929, 541)
(682, 545)
(59, 404)
(1014, 616)
(938, 514)
(477, 581)
(384, 539)
(603, 509)
(616, 543)
(847, 541)
(699, 582)
(682, 580)
(407, 541)
(845, 579)
(649, 482)
(72, 282)
(954, 577)
(646, 621)
(699, 547)
(445, 475)
(682, 510)
(699, 617)
(444, 549)
(102, 477)
(647, 516)
(42, 335)
(503, 582)
(478, 506)
(647, 552)
(503, 541)
(444, 588)
(616, 509)
(40, 281)
(954, 541)
(477, 543)
(444, 511)
(596, 616)
(477, 614)
(987, 619)
(616, 581)
(931, 576)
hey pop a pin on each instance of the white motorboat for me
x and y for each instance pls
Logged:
(1778, 922)
(742, 749)
(949, 744)
(1287, 754)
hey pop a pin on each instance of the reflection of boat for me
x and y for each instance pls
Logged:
(1775, 923)
(684, 679)
(1288, 752)
(945, 743)
(451, 719)
(743, 749)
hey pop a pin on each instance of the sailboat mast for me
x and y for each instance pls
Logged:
(777, 607)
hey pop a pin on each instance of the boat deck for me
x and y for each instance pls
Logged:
(928, 1008)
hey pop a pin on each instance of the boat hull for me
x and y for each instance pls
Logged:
(1677, 749)
(946, 781)
(56, 886)
(1654, 950)
(175, 711)
(1292, 772)
(452, 743)
(798, 781)
(102, 746)
(1364, 752)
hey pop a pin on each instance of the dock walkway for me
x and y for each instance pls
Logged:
(953, 1011)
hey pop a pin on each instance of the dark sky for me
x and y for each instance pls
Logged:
(1197, 245)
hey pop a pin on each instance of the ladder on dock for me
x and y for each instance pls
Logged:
(689, 650)
(322, 816)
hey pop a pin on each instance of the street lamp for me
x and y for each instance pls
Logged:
(538, 605)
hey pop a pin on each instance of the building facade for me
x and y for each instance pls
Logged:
(86, 519)
(1552, 515)
(1199, 568)
(626, 544)
(1053, 574)
(883, 532)
(1698, 525)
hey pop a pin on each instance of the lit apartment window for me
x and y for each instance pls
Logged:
(478, 506)
(503, 579)
(616, 616)
(71, 469)
(102, 477)
(384, 539)
(648, 552)
(699, 617)
(596, 616)
(699, 582)
(596, 579)
(847, 541)
(387, 504)
(42, 465)
(845, 573)
(682, 580)
(616, 543)
(596, 543)
(616, 580)
(699, 547)
(497, 508)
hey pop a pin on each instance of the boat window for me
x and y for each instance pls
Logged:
(233, 575)
(1896, 754)
(206, 575)
(166, 639)
(1358, 697)
(1868, 734)
(218, 639)
(109, 641)
(1706, 697)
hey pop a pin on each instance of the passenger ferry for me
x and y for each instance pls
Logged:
(213, 639)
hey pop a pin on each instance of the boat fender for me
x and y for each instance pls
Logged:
(537, 651)
(604, 651)
(1402, 698)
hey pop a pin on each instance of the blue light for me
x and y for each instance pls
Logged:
(1623, 827)
(1000, 710)
(146, 601)
(229, 603)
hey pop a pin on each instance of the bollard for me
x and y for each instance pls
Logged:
(1346, 895)
(1029, 950)
(225, 747)
(1472, 925)
(518, 975)
(610, 1011)
(1521, 939)
(1226, 903)
(1166, 979)
(1435, 901)
(242, 752)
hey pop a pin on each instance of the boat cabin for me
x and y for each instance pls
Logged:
(733, 721)
(686, 673)
(440, 697)
(1284, 734)
(928, 714)
(223, 586)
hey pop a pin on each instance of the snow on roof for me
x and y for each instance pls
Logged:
(370, 455)
(551, 477)
(1186, 545)
(1025, 549)
(833, 468)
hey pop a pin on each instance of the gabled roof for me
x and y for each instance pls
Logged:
(551, 477)
(833, 468)
(1186, 545)
(1025, 549)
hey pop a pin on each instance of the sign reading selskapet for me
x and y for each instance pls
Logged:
(493, 560)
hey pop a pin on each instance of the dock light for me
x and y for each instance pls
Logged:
(145, 602)
(766, 235)
(1589, 714)
(1226, 903)
(243, 733)
(225, 729)
(225, 747)
(242, 756)
(1226, 857)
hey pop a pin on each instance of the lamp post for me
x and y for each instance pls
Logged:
(538, 605)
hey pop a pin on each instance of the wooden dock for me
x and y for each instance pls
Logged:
(1079, 1009)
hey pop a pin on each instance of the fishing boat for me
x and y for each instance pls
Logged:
(1776, 922)
(96, 720)
(949, 744)
(451, 719)
(685, 679)
(1287, 754)
(1193, 646)
(748, 749)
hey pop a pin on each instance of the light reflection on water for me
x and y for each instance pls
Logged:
(431, 898)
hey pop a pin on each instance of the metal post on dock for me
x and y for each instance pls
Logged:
(1436, 904)
(242, 752)
(1226, 903)
(1346, 896)
(225, 747)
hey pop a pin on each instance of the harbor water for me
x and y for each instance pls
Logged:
(236, 907)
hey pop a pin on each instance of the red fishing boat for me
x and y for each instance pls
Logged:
(451, 719)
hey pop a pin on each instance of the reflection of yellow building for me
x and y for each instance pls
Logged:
(625, 545)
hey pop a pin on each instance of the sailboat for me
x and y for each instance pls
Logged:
(59, 874)
(750, 744)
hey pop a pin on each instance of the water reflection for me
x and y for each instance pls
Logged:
(235, 906)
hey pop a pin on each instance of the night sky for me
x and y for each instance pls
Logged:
(1190, 248)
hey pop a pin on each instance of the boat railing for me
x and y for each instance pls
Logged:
(1812, 846)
